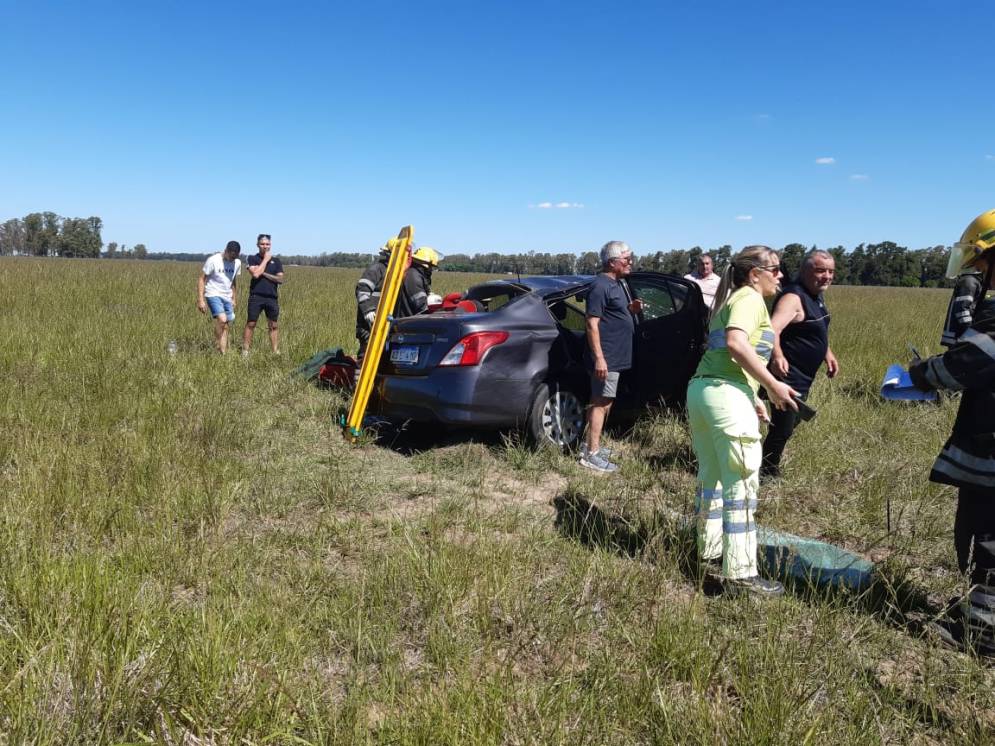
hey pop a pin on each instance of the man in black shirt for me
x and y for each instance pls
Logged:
(267, 276)
(801, 322)
(610, 328)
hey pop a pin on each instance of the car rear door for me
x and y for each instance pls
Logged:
(670, 334)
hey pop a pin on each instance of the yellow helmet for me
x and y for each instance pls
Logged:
(977, 238)
(426, 255)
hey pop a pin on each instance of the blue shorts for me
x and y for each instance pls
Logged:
(220, 306)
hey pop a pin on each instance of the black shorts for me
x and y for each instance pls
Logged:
(259, 303)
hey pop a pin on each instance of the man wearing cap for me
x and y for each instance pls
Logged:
(267, 276)
(610, 328)
(216, 290)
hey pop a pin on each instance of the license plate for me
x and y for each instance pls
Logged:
(406, 354)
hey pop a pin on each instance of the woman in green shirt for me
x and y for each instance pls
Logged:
(724, 411)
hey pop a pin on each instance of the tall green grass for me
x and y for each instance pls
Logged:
(191, 553)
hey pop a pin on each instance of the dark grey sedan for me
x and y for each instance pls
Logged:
(517, 360)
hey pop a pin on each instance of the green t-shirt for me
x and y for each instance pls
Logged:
(747, 311)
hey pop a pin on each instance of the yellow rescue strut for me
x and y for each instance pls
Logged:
(400, 259)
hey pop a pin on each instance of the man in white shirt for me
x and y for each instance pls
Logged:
(216, 290)
(707, 280)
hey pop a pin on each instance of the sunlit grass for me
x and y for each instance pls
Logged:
(191, 552)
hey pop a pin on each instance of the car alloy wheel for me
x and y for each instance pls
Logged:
(562, 418)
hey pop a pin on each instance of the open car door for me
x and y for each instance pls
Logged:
(670, 336)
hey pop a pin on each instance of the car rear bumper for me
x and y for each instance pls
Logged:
(453, 397)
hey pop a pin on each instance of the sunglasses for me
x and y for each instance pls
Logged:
(625, 259)
(772, 268)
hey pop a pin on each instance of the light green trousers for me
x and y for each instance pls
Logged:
(725, 433)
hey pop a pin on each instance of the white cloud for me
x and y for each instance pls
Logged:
(744, 218)
(990, 157)
(558, 205)
(859, 177)
(825, 160)
(761, 118)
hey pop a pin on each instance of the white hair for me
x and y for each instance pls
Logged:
(613, 250)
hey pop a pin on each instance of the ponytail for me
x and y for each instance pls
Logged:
(737, 273)
(723, 292)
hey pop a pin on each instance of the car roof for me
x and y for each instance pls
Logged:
(544, 285)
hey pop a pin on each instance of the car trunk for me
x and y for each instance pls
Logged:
(417, 344)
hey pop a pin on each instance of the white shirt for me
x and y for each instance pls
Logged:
(708, 286)
(220, 276)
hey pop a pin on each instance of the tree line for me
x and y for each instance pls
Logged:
(48, 234)
(885, 263)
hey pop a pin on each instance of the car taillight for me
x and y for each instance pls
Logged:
(470, 350)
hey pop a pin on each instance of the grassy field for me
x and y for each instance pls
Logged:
(192, 554)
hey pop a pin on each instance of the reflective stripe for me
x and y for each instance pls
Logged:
(970, 461)
(418, 296)
(948, 338)
(982, 341)
(947, 468)
(367, 283)
(980, 619)
(964, 315)
(979, 597)
(708, 502)
(963, 297)
(751, 503)
(731, 527)
(362, 297)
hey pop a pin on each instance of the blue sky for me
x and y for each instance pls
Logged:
(505, 126)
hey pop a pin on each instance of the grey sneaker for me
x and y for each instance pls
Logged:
(597, 462)
(753, 586)
(603, 451)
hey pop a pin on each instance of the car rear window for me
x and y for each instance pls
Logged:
(491, 297)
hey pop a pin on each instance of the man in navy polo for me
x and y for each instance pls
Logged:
(267, 276)
(610, 328)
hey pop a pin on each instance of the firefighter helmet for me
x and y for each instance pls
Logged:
(426, 256)
(978, 238)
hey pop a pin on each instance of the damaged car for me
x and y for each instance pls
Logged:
(511, 356)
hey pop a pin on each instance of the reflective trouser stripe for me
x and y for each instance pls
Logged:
(708, 510)
(725, 434)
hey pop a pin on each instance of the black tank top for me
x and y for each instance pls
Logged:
(805, 342)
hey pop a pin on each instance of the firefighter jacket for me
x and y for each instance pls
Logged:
(412, 299)
(368, 296)
(960, 312)
(968, 457)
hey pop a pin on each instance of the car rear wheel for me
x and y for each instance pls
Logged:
(556, 417)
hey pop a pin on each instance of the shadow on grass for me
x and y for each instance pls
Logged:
(677, 457)
(580, 519)
(882, 592)
(410, 439)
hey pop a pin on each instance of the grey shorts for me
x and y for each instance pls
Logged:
(607, 387)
